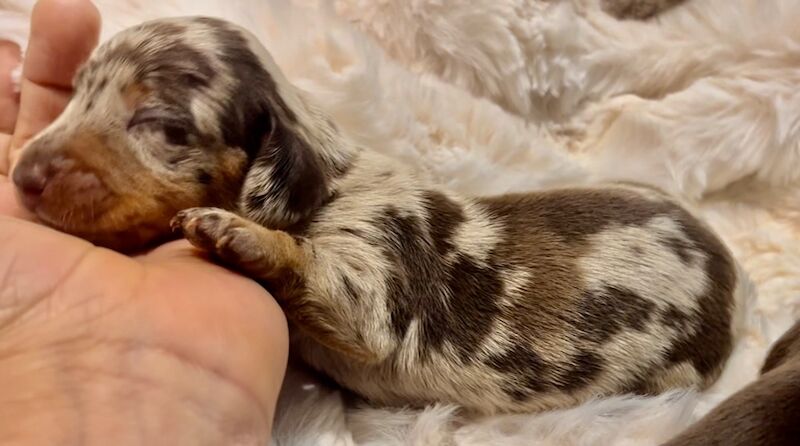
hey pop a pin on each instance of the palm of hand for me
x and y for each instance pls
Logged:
(164, 319)
(169, 323)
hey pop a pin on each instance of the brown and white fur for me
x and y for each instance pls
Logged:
(399, 290)
(765, 413)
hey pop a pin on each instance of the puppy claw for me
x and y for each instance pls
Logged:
(218, 232)
(176, 224)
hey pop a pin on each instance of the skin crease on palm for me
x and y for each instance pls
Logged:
(164, 348)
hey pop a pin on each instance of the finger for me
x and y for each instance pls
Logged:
(9, 99)
(5, 144)
(63, 34)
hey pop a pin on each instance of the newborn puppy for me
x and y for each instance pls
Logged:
(765, 413)
(403, 292)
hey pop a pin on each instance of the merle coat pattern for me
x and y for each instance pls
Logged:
(399, 290)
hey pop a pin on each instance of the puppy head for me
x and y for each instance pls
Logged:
(173, 114)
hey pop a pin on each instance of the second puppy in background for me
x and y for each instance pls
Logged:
(638, 9)
(765, 413)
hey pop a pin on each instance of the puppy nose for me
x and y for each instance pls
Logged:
(31, 178)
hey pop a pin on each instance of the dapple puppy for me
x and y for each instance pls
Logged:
(399, 290)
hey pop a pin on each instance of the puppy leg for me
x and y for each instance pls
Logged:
(256, 251)
(287, 266)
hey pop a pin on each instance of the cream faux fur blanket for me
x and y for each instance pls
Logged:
(489, 96)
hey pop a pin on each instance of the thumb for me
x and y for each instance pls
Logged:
(63, 34)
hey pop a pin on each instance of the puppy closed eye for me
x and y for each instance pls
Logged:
(175, 129)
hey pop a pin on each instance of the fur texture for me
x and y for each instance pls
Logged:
(473, 146)
(765, 413)
(703, 96)
(399, 290)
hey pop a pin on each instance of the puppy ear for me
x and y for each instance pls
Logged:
(295, 152)
(287, 179)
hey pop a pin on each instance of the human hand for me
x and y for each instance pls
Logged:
(97, 347)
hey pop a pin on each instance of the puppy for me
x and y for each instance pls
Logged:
(403, 292)
(765, 413)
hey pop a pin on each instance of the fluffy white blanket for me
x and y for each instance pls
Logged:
(489, 96)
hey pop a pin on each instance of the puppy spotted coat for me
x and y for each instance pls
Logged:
(399, 290)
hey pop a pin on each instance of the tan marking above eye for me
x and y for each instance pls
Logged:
(134, 94)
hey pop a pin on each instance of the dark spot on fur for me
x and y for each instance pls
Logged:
(102, 84)
(470, 310)
(681, 248)
(454, 303)
(673, 317)
(296, 174)
(608, 311)
(86, 72)
(354, 232)
(708, 346)
(584, 368)
(254, 99)
(444, 217)
(176, 134)
(575, 214)
(204, 177)
(349, 289)
(405, 247)
(524, 371)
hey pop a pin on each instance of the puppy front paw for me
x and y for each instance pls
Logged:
(258, 252)
(222, 233)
